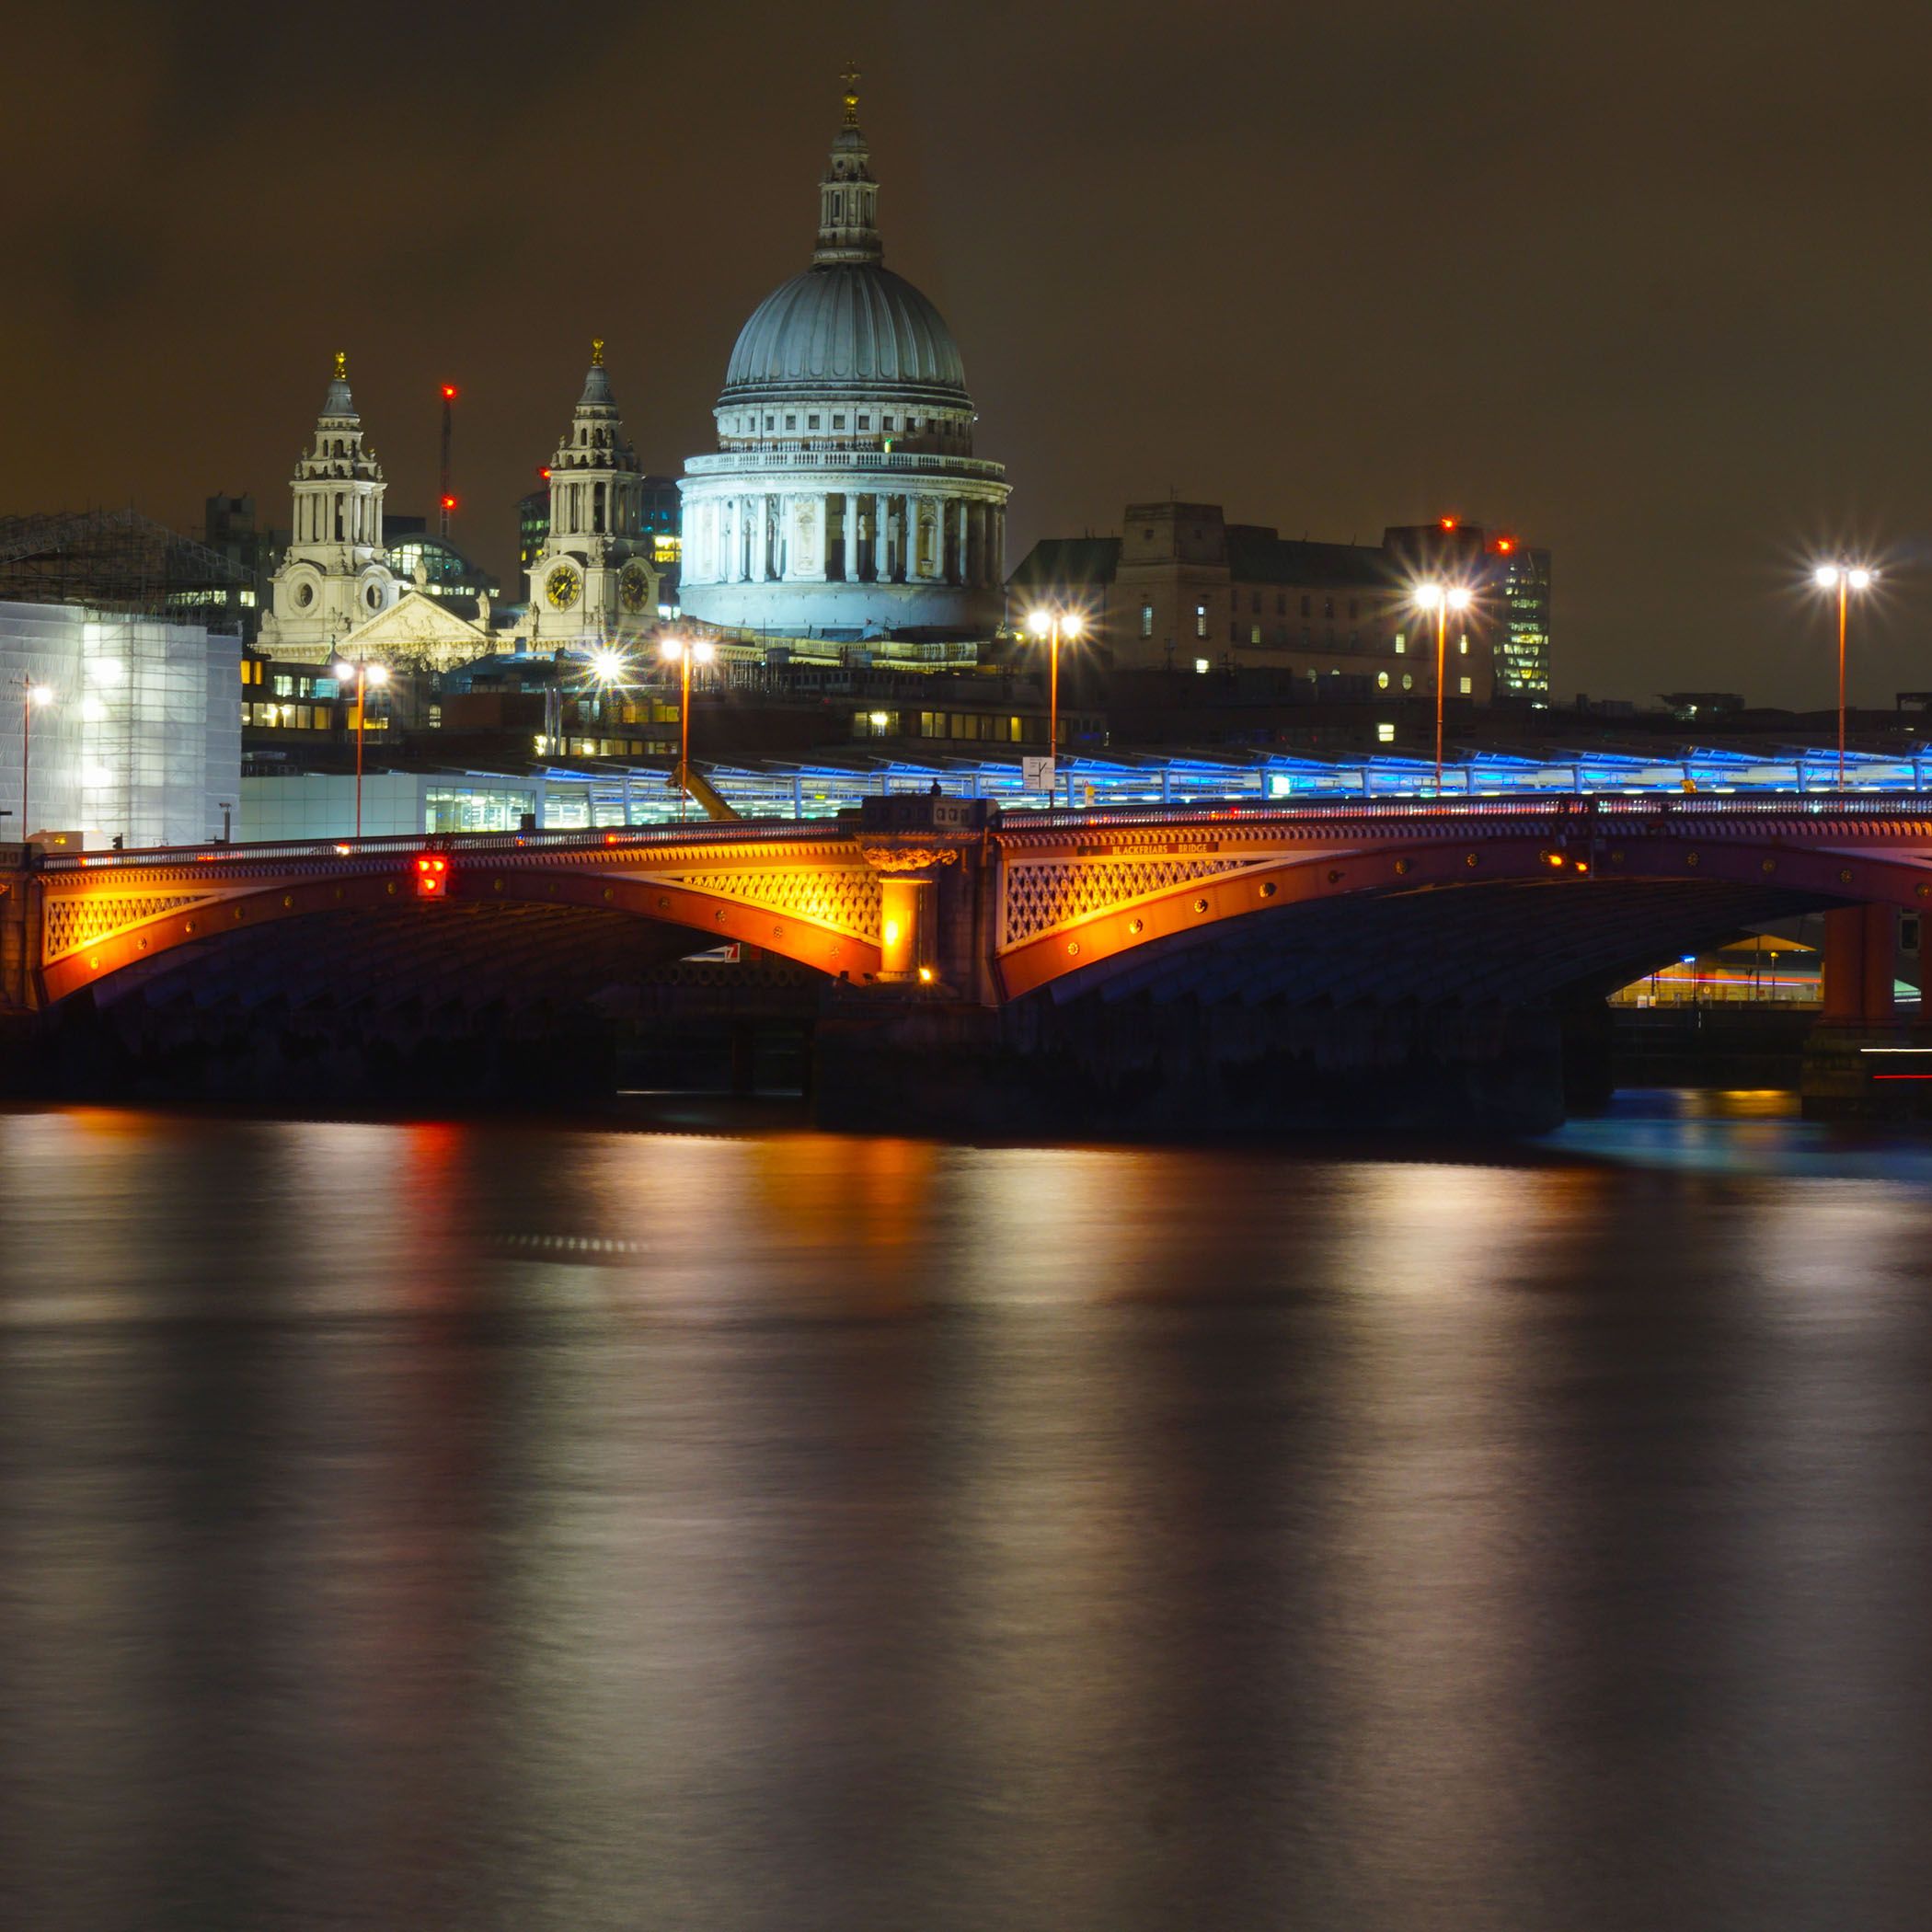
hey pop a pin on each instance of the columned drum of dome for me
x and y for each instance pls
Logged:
(845, 498)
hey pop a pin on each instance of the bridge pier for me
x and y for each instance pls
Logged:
(905, 928)
(1860, 957)
(1135, 1070)
(1861, 1062)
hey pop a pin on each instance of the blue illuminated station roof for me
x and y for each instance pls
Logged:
(821, 789)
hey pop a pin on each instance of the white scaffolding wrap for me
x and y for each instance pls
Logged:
(142, 736)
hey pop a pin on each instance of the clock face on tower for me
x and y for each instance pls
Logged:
(563, 587)
(634, 586)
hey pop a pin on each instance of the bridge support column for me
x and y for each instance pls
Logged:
(1858, 1063)
(14, 989)
(934, 859)
(1860, 953)
(905, 934)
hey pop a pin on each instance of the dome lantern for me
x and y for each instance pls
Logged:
(845, 498)
(848, 196)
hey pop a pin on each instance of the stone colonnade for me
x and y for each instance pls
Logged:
(850, 536)
(338, 516)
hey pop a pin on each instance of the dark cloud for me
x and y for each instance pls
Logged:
(1644, 282)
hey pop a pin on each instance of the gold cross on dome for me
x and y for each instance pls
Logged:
(596, 351)
(342, 366)
(851, 77)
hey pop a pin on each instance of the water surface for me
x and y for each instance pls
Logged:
(492, 1525)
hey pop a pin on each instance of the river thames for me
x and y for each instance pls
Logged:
(497, 1525)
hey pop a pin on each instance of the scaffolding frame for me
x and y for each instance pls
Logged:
(116, 560)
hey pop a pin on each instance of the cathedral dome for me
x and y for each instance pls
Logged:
(846, 327)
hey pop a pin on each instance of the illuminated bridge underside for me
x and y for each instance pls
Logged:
(1502, 944)
(1467, 904)
(809, 899)
(1493, 902)
(445, 960)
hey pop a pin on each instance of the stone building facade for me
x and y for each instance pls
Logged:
(1182, 588)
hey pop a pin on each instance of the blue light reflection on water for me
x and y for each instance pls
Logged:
(1754, 1132)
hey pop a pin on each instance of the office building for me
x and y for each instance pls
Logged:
(1182, 588)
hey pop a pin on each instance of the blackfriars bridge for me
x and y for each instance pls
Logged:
(1233, 965)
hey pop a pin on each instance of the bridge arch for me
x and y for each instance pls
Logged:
(1584, 872)
(95, 926)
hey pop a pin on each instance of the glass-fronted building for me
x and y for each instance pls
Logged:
(415, 804)
(452, 579)
(318, 805)
(532, 526)
(1520, 595)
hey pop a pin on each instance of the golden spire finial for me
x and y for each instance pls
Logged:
(596, 351)
(851, 77)
(342, 366)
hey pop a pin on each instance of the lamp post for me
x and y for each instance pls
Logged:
(34, 697)
(1440, 599)
(1052, 626)
(608, 668)
(684, 651)
(365, 675)
(1844, 579)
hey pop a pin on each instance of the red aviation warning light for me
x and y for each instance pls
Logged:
(449, 502)
(449, 392)
(432, 876)
(1448, 523)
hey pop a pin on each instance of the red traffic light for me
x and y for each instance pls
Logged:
(432, 874)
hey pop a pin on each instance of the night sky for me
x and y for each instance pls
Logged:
(1648, 284)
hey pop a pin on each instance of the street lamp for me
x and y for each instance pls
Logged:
(364, 674)
(1440, 599)
(34, 697)
(1844, 579)
(609, 669)
(1052, 626)
(684, 652)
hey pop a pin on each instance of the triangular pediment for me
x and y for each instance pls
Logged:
(417, 630)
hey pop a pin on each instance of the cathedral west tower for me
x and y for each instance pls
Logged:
(593, 580)
(332, 577)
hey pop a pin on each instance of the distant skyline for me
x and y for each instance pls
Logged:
(1645, 287)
